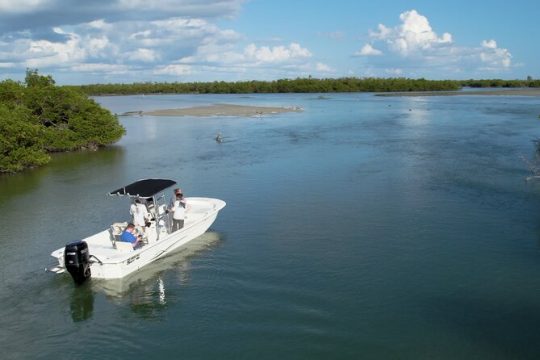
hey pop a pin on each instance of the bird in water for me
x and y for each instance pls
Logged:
(219, 138)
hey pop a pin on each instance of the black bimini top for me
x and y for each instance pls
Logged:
(144, 188)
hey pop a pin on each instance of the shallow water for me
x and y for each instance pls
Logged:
(363, 227)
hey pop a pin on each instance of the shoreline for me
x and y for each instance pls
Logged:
(219, 110)
(493, 92)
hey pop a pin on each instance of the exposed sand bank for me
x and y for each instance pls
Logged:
(492, 92)
(222, 110)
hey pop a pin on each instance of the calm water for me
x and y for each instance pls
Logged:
(363, 227)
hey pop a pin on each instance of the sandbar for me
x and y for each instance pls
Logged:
(223, 110)
(491, 92)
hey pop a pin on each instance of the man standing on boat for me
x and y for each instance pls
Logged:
(139, 213)
(178, 212)
(177, 191)
(170, 210)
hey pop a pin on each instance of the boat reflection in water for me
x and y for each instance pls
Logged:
(145, 289)
(82, 303)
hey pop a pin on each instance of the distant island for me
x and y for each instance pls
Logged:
(301, 85)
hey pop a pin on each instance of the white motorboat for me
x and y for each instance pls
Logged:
(104, 256)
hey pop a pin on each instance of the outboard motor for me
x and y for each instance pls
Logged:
(76, 261)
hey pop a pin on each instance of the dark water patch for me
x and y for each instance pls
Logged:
(494, 328)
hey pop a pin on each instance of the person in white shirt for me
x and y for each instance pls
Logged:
(140, 214)
(179, 212)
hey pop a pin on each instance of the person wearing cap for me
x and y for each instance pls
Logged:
(173, 198)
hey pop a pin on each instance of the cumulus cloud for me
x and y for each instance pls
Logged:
(155, 43)
(142, 40)
(368, 50)
(43, 53)
(173, 69)
(413, 34)
(261, 61)
(414, 45)
(494, 57)
(266, 54)
(170, 38)
(490, 44)
(144, 55)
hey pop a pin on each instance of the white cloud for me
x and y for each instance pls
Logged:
(275, 54)
(143, 38)
(413, 34)
(382, 33)
(494, 57)
(490, 44)
(173, 69)
(368, 50)
(144, 55)
(254, 61)
(95, 47)
(156, 43)
(43, 53)
(165, 47)
(414, 48)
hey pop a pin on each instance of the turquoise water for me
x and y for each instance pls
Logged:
(362, 227)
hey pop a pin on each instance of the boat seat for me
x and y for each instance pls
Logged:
(116, 230)
(123, 246)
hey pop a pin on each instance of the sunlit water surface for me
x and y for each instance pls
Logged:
(362, 227)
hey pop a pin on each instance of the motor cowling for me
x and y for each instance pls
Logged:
(77, 261)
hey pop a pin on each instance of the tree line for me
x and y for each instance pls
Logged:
(299, 85)
(498, 83)
(38, 118)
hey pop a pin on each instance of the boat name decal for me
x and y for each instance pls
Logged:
(132, 259)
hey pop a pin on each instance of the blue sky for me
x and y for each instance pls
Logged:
(103, 41)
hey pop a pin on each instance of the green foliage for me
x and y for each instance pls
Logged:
(299, 85)
(33, 79)
(495, 83)
(21, 141)
(37, 117)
